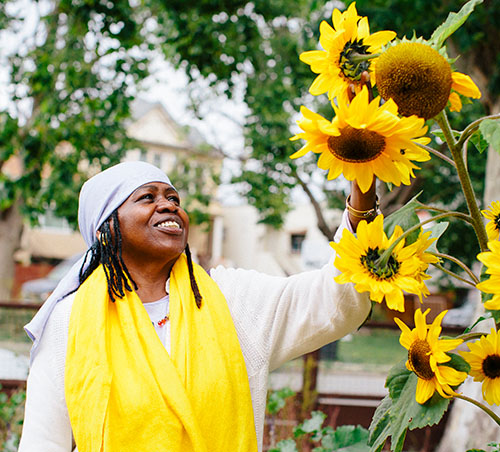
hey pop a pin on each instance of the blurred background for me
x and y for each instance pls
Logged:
(209, 91)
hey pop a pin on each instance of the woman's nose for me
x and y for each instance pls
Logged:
(164, 205)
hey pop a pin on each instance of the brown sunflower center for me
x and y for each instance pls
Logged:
(419, 358)
(369, 260)
(497, 222)
(356, 145)
(416, 77)
(491, 366)
(349, 63)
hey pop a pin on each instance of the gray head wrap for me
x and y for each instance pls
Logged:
(99, 197)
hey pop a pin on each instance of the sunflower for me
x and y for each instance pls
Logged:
(364, 139)
(492, 285)
(418, 248)
(420, 80)
(484, 360)
(425, 352)
(348, 39)
(357, 259)
(493, 214)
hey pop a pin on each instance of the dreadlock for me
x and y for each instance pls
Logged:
(194, 286)
(107, 250)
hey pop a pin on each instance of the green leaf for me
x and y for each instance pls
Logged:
(479, 141)
(490, 129)
(486, 316)
(277, 400)
(436, 231)
(404, 217)
(310, 425)
(452, 23)
(438, 133)
(457, 362)
(286, 445)
(399, 411)
(347, 438)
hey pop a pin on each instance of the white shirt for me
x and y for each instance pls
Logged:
(276, 319)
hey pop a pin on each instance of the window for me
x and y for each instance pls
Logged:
(296, 242)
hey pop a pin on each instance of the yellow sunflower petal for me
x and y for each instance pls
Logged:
(463, 84)
(425, 390)
(455, 102)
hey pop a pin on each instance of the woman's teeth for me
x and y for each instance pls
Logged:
(169, 224)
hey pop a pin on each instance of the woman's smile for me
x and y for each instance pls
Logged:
(170, 226)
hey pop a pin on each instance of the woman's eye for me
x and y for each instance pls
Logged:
(148, 196)
(174, 199)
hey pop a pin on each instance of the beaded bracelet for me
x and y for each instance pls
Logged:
(363, 214)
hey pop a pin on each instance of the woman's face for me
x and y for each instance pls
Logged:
(153, 224)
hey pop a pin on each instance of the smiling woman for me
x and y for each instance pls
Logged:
(139, 348)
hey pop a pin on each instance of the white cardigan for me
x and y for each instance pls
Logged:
(276, 319)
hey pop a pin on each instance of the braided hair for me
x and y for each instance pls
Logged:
(107, 250)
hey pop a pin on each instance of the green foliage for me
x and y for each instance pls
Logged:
(285, 445)
(346, 438)
(276, 400)
(79, 78)
(495, 446)
(404, 217)
(490, 129)
(479, 142)
(11, 415)
(399, 411)
(452, 23)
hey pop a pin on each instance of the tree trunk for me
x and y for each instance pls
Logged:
(309, 396)
(11, 225)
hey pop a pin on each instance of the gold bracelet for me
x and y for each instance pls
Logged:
(363, 214)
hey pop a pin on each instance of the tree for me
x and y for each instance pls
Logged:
(70, 84)
(276, 84)
(257, 44)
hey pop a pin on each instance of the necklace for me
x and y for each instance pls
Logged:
(163, 321)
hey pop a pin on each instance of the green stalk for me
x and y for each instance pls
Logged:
(356, 58)
(465, 181)
(464, 267)
(453, 274)
(481, 406)
(472, 127)
(469, 336)
(437, 154)
(384, 258)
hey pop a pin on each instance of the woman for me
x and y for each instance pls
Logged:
(140, 350)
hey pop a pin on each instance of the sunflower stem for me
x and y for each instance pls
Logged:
(355, 57)
(461, 215)
(453, 274)
(438, 154)
(464, 267)
(469, 336)
(481, 406)
(472, 128)
(465, 181)
(384, 258)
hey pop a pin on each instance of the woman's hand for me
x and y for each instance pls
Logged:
(361, 205)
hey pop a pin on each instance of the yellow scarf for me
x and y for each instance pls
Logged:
(125, 393)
